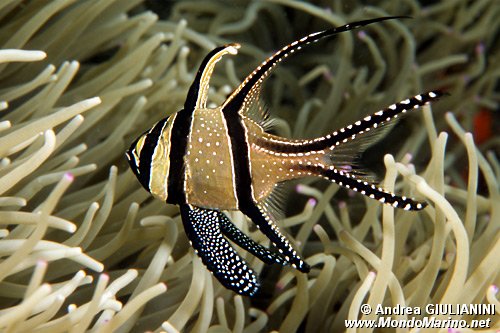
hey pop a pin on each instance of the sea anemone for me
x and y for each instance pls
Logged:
(84, 247)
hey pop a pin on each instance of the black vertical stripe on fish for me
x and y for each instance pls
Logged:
(244, 190)
(359, 127)
(179, 141)
(147, 151)
(203, 229)
(239, 238)
(236, 132)
(236, 100)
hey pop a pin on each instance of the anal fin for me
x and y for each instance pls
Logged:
(245, 242)
(267, 226)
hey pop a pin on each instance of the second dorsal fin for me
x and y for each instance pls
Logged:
(248, 91)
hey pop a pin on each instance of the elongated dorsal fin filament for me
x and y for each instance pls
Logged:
(249, 90)
(198, 92)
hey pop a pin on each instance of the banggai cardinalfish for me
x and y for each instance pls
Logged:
(212, 160)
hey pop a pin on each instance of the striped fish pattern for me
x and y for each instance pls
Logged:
(209, 160)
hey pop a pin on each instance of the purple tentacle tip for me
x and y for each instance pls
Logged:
(480, 48)
(69, 176)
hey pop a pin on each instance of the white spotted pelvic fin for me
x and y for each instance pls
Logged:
(204, 231)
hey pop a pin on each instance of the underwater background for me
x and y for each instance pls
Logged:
(84, 248)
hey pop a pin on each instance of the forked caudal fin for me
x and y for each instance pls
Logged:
(337, 148)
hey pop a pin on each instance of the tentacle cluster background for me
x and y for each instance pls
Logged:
(83, 247)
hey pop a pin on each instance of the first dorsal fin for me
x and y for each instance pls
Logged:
(198, 92)
(196, 99)
(248, 91)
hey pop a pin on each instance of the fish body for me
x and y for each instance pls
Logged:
(209, 160)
